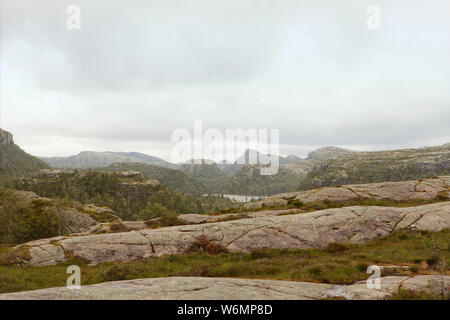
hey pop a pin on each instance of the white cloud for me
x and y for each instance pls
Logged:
(137, 70)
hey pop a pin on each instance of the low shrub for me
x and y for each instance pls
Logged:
(116, 273)
(414, 269)
(166, 221)
(315, 270)
(433, 260)
(205, 245)
(118, 227)
(406, 294)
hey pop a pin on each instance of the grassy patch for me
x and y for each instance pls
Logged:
(337, 264)
(166, 221)
(118, 227)
(405, 294)
(234, 217)
(99, 216)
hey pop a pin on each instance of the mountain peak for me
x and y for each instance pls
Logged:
(13, 160)
(92, 159)
(6, 138)
(330, 152)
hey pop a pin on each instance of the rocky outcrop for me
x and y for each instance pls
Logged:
(202, 218)
(73, 217)
(6, 138)
(317, 229)
(329, 153)
(426, 189)
(190, 288)
(137, 189)
(14, 161)
(194, 219)
(364, 167)
(268, 203)
(131, 185)
(52, 173)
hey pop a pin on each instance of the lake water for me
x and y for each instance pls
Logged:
(238, 197)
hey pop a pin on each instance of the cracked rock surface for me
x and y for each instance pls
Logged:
(186, 288)
(192, 218)
(357, 224)
(425, 189)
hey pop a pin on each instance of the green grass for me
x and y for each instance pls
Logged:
(100, 217)
(164, 221)
(405, 294)
(337, 264)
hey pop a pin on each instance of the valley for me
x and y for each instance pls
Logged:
(174, 232)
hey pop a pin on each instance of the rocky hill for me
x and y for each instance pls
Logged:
(172, 178)
(14, 162)
(25, 216)
(92, 159)
(130, 194)
(330, 153)
(349, 167)
(327, 166)
(355, 224)
(242, 179)
(425, 189)
(322, 246)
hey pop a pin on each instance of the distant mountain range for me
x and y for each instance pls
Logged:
(327, 166)
(95, 159)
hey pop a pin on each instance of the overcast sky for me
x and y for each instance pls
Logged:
(138, 70)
